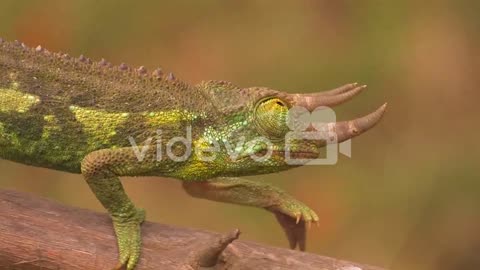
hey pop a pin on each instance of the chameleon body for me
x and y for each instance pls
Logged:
(105, 122)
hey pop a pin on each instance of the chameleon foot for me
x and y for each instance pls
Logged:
(129, 239)
(294, 217)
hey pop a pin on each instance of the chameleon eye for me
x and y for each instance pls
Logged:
(270, 118)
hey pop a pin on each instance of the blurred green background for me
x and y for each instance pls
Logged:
(409, 196)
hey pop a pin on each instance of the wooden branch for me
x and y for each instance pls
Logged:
(37, 233)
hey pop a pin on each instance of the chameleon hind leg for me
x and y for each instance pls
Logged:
(101, 169)
(293, 216)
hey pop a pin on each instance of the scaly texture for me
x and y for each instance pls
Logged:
(104, 121)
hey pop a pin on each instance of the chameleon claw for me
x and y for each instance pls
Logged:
(298, 218)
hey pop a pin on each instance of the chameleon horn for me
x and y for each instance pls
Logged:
(340, 90)
(348, 129)
(330, 98)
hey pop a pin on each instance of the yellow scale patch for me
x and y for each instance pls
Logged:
(157, 119)
(12, 100)
(101, 125)
(196, 166)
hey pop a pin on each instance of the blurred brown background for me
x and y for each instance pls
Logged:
(408, 198)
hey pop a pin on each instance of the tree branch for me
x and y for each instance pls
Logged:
(37, 233)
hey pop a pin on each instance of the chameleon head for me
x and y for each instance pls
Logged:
(258, 128)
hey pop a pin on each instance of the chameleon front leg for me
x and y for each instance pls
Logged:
(290, 213)
(101, 169)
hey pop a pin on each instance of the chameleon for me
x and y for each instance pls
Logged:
(107, 121)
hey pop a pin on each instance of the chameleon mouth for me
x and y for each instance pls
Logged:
(296, 154)
(281, 155)
(302, 155)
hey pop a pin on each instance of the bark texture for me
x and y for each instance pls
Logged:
(37, 233)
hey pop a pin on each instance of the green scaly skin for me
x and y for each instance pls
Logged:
(75, 115)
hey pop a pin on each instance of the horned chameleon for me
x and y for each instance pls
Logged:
(76, 115)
